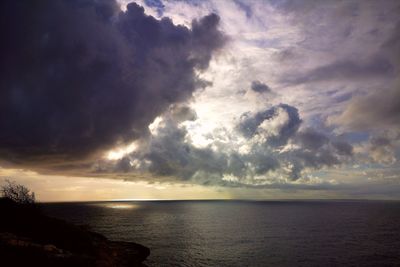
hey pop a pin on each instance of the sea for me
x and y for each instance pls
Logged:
(248, 233)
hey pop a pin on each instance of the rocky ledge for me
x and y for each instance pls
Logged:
(30, 238)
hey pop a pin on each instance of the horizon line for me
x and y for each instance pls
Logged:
(220, 199)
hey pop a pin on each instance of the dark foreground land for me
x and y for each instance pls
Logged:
(29, 238)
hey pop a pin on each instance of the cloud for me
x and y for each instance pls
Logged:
(276, 124)
(311, 139)
(166, 153)
(380, 109)
(375, 111)
(81, 76)
(260, 87)
(263, 149)
(343, 148)
(391, 46)
(344, 70)
(313, 149)
(382, 150)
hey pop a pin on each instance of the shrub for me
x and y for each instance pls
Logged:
(17, 193)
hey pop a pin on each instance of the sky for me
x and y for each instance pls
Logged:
(153, 99)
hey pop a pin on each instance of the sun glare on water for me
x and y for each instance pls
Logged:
(124, 206)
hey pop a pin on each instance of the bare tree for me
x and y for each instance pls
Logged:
(17, 193)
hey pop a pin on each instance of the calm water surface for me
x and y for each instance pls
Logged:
(246, 233)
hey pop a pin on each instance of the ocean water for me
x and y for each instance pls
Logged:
(248, 233)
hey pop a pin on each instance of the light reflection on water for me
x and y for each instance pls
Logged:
(117, 205)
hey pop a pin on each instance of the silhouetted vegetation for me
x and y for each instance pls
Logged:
(17, 193)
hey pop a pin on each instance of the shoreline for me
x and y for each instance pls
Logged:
(28, 237)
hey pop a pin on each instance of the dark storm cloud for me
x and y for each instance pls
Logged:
(260, 87)
(80, 76)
